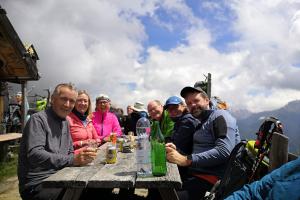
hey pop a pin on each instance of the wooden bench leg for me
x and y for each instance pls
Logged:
(72, 194)
(3, 151)
(168, 194)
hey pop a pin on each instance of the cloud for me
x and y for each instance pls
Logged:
(100, 46)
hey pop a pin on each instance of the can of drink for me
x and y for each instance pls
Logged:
(111, 154)
(120, 143)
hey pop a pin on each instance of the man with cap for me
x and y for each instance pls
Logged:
(157, 113)
(104, 121)
(214, 139)
(184, 128)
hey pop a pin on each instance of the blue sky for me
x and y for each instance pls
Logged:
(136, 50)
(217, 19)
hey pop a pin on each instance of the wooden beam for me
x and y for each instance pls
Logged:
(278, 151)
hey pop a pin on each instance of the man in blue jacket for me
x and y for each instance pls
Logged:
(214, 139)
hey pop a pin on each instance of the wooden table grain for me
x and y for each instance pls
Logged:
(122, 174)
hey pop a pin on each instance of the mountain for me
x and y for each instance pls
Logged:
(289, 115)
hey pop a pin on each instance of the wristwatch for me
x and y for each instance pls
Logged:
(189, 157)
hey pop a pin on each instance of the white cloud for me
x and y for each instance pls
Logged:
(98, 46)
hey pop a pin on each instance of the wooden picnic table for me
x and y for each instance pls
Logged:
(122, 174)
(9, 137)
(4, 142)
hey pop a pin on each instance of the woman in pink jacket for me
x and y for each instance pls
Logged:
(104, 121)
(81, 126)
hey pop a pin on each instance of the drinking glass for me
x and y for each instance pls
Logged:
(92, 146)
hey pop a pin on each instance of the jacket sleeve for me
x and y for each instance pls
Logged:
(95, 134)
(116, 125)
(167, 125)
(77, 144)
(215, 156)
(36, 144)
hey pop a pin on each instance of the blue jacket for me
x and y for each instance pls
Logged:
(183, 132)
(282, 183)
(214, 140)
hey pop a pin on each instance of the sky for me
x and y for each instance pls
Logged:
(140, 50)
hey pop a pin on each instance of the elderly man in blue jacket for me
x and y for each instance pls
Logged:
(214, 139)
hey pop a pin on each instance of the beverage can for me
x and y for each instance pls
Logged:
(120, 143)
(111, 155)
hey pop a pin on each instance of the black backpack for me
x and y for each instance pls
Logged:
(244, 167)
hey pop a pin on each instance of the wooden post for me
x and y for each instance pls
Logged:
(278, 151)
(24, 100)
(209, 85)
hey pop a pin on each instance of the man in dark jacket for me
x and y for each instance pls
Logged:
(213, 142)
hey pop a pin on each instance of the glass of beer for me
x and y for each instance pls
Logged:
(113, 138)
(92, 146)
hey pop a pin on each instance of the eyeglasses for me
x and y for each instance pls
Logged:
(102, 102)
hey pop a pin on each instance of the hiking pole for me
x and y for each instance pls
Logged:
(263, 142)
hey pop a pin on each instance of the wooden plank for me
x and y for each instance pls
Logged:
(65, 178)
(10, 136)
(170, 180)
(278, 151)
(292, 156)
(122, 174)
(73, 177)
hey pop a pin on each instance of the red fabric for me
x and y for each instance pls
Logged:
(209, 178)
(79, 132)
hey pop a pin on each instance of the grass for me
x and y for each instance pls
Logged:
(9, 168)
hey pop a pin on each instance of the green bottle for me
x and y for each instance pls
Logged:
(158, 151)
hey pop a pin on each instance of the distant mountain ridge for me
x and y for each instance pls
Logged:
(289, 115)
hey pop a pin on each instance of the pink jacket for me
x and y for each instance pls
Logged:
(79, 132)
(105, 123)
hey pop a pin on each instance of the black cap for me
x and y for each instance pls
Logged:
(190, 89)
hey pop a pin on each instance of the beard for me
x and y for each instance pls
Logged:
(197, 112)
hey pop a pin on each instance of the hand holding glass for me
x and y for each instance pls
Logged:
(92, 146)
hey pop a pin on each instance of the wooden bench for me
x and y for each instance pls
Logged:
(4, 142)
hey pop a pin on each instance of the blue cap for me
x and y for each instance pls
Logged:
(173, 100)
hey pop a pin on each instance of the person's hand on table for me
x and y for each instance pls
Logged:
(174, 156)
(106, 139)
(85, 156)
(170, 145)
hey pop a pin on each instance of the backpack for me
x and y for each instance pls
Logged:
(216, 103)
(243, 166)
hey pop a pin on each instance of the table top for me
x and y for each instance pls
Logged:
(122, 174)
(10, 136)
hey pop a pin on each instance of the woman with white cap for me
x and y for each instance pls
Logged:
(104, 121)
(138, 112)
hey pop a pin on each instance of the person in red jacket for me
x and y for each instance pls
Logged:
(81, 126)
